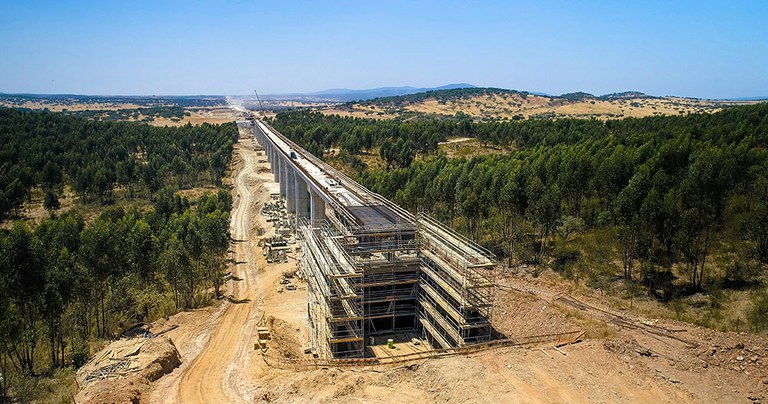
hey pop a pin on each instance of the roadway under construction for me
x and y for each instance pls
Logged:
(373, 268)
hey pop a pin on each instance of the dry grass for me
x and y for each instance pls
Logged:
(511, 106)
(196, 193)
(594, 328)
(197, 115)
(723, 310)
(57, 106)
(215, 115)
(32, 212)
(468, 148)
(59, 388)
(359, 112)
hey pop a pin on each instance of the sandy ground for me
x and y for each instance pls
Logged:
(615, 363)
(456, 140)
(197, 116)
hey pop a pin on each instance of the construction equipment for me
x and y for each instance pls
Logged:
(261, 106)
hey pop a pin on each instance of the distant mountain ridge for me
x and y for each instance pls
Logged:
(747, 98)
(489, 103)
(347, 95)
(445, 94)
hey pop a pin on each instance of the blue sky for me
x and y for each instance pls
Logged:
(713, 49)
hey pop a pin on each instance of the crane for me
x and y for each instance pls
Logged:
(263, 114)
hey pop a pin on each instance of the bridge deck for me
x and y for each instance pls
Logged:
(369, 211)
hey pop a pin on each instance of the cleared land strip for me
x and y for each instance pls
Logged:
(206, 379)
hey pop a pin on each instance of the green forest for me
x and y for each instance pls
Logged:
(442, 96)
(147, 114)
(666, 207)
(18, 100)
(399, 141)
(87, 274)
(99, 159)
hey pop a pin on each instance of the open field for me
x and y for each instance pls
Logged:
(502, 105)
(58, 106)
(467, 147)
(197, 116)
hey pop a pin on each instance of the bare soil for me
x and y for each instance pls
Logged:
(145, 359)
(197, 116)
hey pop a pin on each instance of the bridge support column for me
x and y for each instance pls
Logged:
(283, 179)
(317, 209)
(259, 135)
(270, 157)
(290, 190)
(302, 199)
(276, 168)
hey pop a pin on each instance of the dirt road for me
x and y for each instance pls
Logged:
(215, 345)
(208, 378)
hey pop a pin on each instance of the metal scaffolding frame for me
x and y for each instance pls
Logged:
(456, 286)
(335, 294)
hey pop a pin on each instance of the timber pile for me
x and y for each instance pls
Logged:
(124, 369)
(121, 367)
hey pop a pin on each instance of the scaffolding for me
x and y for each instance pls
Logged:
(335, 294)
(456, 287)
(366, 283)
(359, 283)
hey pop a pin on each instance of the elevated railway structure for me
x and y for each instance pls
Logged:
(372, 267)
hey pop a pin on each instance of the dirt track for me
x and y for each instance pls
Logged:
(213, 345)
(208, 378)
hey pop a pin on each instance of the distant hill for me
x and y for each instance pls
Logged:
(747, 99)
(140, 100)
(626, 95)
(497, 103)
(441, 95)
(577, 96)
(347, 95)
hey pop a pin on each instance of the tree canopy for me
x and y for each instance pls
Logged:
(95, 158)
